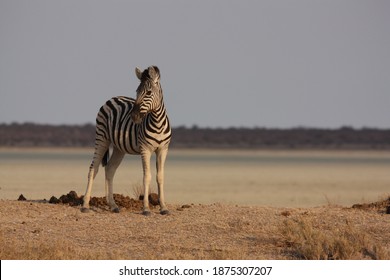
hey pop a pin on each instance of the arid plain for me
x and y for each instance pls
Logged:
(224, 205)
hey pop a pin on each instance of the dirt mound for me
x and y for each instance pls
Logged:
(121, 200)
(72, 199)
(382, 206)
(21, 198)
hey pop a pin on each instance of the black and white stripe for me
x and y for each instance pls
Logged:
(114, 124)
(132, 126)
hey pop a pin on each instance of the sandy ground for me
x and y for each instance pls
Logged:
(246, 177)
(214, 231)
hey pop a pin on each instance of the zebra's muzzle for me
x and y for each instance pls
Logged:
(136, 114)
(137, 118)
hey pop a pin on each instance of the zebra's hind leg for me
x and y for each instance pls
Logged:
(110, 169)
(93, 170)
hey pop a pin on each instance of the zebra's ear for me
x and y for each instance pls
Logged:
(138, 73)
(154, 73)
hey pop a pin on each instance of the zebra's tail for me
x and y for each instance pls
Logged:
(106, 158)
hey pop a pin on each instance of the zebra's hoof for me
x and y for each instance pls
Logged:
(146, 213)
(84, 210)
(164, 212)
(115, 210)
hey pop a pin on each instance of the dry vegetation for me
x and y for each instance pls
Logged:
(41, 230)
(307, 240)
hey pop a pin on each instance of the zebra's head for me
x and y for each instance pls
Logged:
(149, 93)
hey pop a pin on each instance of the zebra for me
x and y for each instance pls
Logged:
(132, 126)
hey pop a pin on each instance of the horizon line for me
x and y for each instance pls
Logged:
(195, 126)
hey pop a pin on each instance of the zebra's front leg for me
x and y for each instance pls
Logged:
(161, 155)
(146, 154)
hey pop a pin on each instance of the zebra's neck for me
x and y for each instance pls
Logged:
(155, 130)
(158, 115)
(157, 123)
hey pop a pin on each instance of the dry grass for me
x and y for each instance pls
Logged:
(40, 250)
(44, 231)
(306, 241)
(138, 190)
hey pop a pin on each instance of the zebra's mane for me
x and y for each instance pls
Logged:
(145, 74)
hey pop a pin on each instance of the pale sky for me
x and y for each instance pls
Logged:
(223, 63)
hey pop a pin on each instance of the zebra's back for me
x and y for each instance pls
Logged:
(114, 125)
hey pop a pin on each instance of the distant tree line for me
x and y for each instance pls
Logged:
(38, 135)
